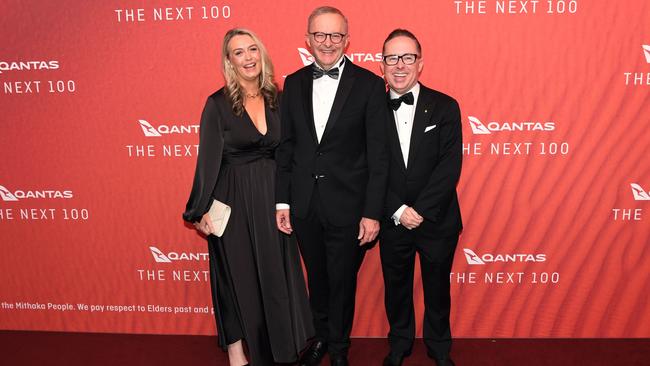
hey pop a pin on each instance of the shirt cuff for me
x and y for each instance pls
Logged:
(398, 214)
(282, 206)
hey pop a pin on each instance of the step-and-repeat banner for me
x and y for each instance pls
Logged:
(100, 105)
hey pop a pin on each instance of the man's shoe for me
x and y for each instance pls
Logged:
(339, 361)
(447, 361)
(393, 360)
(444, 362)
(314, 354)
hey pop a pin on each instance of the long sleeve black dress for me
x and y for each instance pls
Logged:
(258, 288)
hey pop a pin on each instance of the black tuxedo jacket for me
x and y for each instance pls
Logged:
(428, 184)
(350, 164)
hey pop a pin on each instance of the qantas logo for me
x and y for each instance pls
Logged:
(471, 257)
(478, 128)
(646, 52)
(161, 257)
(307, 58)
(6, 195)
(639, 193)
(9, 196)
(150, 131)
(28, 65)
(475, 259)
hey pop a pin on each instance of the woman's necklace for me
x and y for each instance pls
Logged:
(253, 95)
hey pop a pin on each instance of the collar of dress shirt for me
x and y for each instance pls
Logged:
(415, 90)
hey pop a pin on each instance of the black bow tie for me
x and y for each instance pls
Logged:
(406, 98)
(318, 73)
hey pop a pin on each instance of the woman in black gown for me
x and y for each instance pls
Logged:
(258, 289)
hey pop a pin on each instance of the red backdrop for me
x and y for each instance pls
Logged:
(554, 96)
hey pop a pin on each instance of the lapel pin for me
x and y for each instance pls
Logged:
(426, 110)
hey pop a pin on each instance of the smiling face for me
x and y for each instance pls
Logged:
(401, 77)
(244, 56)
(326, 53)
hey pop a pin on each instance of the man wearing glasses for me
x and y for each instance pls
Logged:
(422, 213)
(332, 170)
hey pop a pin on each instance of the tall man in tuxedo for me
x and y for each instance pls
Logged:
(422, 213)
(332, 170)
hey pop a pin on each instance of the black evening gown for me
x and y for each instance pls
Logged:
(258, 288)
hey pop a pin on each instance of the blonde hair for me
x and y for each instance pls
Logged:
(234, 91)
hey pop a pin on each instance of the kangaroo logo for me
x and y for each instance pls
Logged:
(6, 195)
(639, 193)
(159, 256)
(305, 56)
(148, 129)
(478, 128)
(471, 257)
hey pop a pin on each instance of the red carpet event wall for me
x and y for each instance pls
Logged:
(100, 109)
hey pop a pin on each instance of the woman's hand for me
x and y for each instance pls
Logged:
(205, 225)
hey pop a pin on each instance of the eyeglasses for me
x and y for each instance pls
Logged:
(320, 37)
(407, 59)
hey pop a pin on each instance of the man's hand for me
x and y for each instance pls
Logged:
(410, 218)
(205, 226)
(368, 230)
(283, 221)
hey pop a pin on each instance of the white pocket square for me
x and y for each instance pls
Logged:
(429, 128)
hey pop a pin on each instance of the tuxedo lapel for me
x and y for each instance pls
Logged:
(307, 84)
(342, 93)
(394, 138)
(423, 112)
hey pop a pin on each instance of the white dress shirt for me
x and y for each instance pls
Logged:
(404, 123)
(323, 93)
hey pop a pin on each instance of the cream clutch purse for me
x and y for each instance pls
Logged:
(219, 214)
